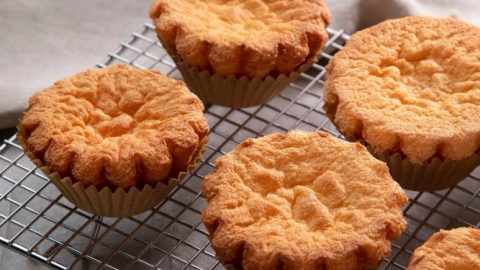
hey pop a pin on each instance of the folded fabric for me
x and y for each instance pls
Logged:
(352, 15)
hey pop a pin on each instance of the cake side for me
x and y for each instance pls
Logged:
(301, 200)
(118, 126)
(252, 37)
(410, 85)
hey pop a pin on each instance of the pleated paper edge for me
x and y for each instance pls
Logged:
(235, 92)
(104, 202)
(435, 174)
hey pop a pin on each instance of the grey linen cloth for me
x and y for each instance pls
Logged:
(46, 40)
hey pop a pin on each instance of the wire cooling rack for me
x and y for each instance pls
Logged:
(35, 220)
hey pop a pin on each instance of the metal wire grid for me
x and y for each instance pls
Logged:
(37, 221)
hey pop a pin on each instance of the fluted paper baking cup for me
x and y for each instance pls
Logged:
(105, 202)
(432, 175)
(231, 91)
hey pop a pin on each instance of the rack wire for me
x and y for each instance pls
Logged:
(37, 221)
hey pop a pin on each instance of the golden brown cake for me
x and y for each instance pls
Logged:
(457, 249)
(242, 37)
(410, 85)
(117, 126)
(302, 201)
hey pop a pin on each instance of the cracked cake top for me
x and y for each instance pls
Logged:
(242, 37)
(302, 201)
(410, 85)
(117, 126)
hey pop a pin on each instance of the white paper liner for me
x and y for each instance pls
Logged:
(232, 91)
(105, 202)
(432, 175)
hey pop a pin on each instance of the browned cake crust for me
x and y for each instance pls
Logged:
(243, 37)
(457, 249)
(302, 201)
(410, 85)
(117, 126)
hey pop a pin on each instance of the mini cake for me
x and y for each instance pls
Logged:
(255, 39)
(410, 89)
(118, 128)
(301, 201)
(449, 250)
